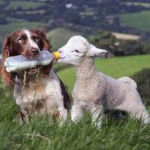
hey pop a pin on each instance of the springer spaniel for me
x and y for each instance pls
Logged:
(37, 90)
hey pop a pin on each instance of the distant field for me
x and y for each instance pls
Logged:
(139, 20)
(1, 1)
(24, 4)
(114, 67)
(59, 37)
(88, 12)
(138, 4)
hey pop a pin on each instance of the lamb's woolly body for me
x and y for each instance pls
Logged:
(129, 81)
(96, 87)
(93, 88)
(95, 91)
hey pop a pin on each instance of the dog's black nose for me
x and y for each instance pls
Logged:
(35, 52)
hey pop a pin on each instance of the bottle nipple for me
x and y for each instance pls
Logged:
(56, 55)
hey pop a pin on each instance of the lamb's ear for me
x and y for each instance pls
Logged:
(94, 51)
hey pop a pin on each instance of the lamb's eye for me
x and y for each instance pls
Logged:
(76, 51)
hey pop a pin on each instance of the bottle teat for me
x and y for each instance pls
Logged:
(56, 55)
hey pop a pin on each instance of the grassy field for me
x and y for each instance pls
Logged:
(1, 2)
(138, 4)
(139, 20)
(42, 134)
(24, 4)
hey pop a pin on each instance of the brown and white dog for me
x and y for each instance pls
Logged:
(37, 90)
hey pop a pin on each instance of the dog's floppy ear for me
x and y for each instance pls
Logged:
(94, 51)
(6, 47)
(8, 77)
(45, 42)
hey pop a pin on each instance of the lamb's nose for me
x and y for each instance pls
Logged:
(60, 51)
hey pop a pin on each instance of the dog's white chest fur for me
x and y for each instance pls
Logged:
(45, 88)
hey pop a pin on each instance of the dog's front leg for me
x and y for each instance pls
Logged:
(23, 118)
(25, 112)
(63, 114)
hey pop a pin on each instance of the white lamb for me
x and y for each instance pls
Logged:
(94, 91)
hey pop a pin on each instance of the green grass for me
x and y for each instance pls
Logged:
(42, 134)
(59, 37)
(139, 20)
(1, 1)
(24, 4)
(138, 4)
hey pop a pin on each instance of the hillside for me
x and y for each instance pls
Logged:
(85, 17)
(138, 20)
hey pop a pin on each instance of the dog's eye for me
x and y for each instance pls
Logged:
(36, 39)
(20, 39)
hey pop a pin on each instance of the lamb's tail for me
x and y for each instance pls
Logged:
(129, 81)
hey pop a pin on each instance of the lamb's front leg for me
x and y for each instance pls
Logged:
(97, 115)
(76, 112)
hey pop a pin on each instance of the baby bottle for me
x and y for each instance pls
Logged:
(20, 63)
